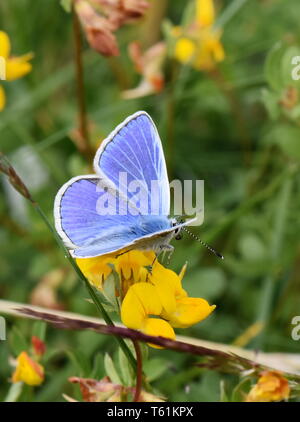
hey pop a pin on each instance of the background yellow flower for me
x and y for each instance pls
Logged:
(271, 386)
(15, 67)
(199, 44)
(28, 370)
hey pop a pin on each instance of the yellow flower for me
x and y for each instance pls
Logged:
(156, 306)
(152, 296)
(14, 67)
(205, 12)
(189, 311)
(179, 310)
(130, 266)
(139, 306)
(200, 43)
(97, 269)
(184, 50)
(271, 386)
(28, 370)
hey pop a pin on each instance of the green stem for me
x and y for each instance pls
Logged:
(14, 392)
(84, 141)
(139, 371)
(229, 12)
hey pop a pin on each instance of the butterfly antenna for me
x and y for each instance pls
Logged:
(203, 243)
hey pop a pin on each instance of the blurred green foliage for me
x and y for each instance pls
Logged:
(237, 128)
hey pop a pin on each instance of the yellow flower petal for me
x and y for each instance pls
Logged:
(158, 327)
(4, 44)
(210, 51)
(205, 12)
(2, 98)
(217, 50)
(167, 284)
(16, 67)
(184, 50)
(140, 301)
(96, 269)
(28, 371)
(132, 265)
(160, 272)
(182, 272)
(189, 311)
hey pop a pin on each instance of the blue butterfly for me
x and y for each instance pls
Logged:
(134, 148)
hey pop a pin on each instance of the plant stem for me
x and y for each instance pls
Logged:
(83, 141)
(151, 28)
(170, 120)
(229, 12)
(236, 108)
(139, 371)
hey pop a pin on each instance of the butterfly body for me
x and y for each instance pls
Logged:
(99, 214)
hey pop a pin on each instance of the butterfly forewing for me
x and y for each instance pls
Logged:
(134, 152)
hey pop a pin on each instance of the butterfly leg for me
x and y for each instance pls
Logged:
(162, 249)
(122, 253)
(150, 267)
(169, 257)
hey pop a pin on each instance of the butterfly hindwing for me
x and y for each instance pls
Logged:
(78, 218)
(88, 233)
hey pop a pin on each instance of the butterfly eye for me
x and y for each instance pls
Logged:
(177, 233)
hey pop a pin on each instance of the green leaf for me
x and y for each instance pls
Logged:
(154, 368)
(272, 66)
(109, 292)
(81, 362)
(188, 14)
(252, 247)
(18, 342)
(287, 66)
(223, 395)
(98, 368)
(287, 137)
(66, 5)
(278, 66)
(127, 374)
(39, 330)
(271, 102)
(110, 369)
